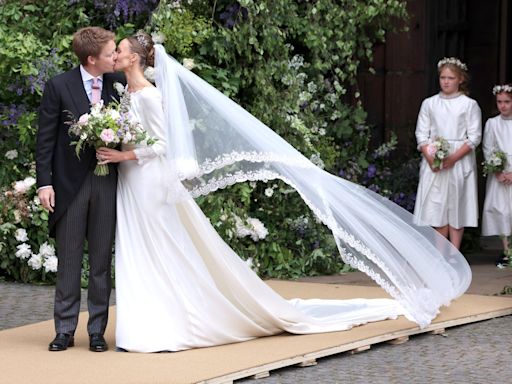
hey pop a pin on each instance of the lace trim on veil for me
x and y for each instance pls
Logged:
(190, 168)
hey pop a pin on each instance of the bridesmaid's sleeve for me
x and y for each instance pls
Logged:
(474, 133)
(151, 105)
(423, 125)
(489, 142)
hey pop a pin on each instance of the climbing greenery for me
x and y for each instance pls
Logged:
(292, 64)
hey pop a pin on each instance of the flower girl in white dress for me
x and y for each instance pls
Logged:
(447, 192)
(180, 286)
(497, 212)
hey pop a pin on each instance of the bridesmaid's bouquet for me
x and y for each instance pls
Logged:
(496, 163)
(107, 126)
(438, 149)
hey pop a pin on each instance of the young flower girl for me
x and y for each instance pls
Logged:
(448, 131)
(497, 147)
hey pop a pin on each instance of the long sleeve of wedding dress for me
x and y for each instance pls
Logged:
(154, 119)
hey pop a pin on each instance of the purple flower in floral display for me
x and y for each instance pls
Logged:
(10, 114)
(125, 9)
(341, 173)
(372, 171)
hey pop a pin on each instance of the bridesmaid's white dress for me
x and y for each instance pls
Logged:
(179, 285)
(497, 212)
(450, 196)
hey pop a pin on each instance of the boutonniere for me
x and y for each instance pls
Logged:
(120, 89)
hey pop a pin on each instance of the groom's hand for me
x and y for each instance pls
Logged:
(47, 198)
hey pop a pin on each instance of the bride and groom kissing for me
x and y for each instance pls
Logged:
(178, 284)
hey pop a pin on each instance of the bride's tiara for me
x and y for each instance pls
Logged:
(501, 88)
(452, 60)
(141, 38)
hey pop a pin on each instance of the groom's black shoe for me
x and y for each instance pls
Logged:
(61, 342)
(97, 343)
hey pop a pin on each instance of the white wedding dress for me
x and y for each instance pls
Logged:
(179, 285)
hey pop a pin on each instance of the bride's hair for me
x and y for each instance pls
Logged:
(143, 45)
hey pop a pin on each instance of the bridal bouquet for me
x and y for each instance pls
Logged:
(496, 163)
(438, 149)
(107, 126)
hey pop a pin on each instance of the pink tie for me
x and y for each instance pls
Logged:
(96, 91)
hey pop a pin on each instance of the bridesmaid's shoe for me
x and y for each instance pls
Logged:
(97, 343)
(61, 342)
(503, 260)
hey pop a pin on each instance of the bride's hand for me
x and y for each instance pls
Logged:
(109, 155)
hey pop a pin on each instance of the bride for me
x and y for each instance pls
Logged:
(180, 286)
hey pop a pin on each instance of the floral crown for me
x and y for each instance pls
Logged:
(501, 88)
(452, 60)
(142, 39)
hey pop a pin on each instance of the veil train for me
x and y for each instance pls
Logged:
(214, 143)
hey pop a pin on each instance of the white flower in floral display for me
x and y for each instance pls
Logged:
(269, 192)
(495, 160)
(12, 154)
(35, 204)
(241, 229)
(114, 114)
(24, 185)
(46, 250)
(17, 216)
(96, 109)
(259, 231)
(189, 64)
(127, 138)
(50, 264)
(317, 160)
(35, 262)
(21, 235)
(24, 251)
(158, 37)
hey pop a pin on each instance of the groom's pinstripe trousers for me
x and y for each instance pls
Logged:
(90, 216)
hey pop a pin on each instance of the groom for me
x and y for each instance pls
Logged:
(82, 206)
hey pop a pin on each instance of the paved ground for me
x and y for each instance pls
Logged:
(475, 353)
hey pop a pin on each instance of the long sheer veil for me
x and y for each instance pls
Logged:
(214, 143)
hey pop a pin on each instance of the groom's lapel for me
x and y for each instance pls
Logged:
(108, 93)
(105, 92)
(77, 91)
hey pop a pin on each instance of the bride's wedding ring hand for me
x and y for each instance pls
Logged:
(108, 155)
